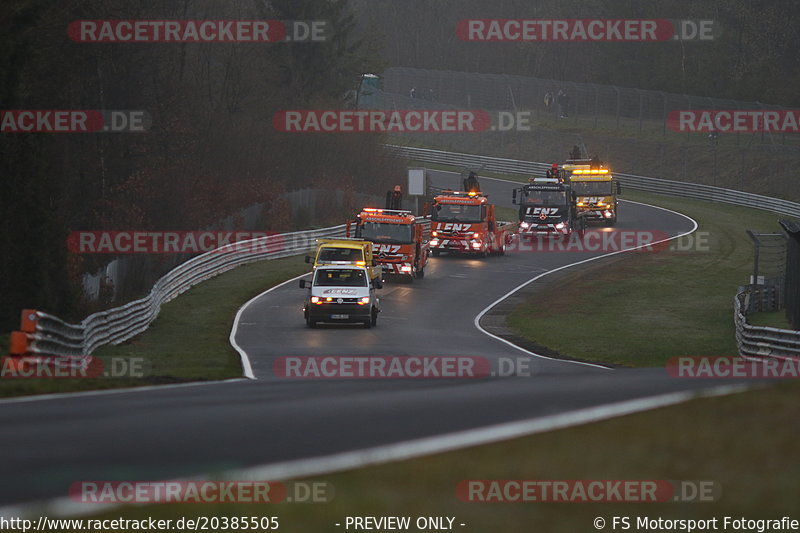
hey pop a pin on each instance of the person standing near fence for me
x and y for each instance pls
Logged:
(562, 100)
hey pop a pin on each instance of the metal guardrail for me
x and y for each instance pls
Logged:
(762, 341)
(753, 341)
(48, 335)
(643, 183)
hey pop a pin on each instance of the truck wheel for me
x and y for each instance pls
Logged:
(435, 253)
(611, 221)
(502, 249)
(421, 273)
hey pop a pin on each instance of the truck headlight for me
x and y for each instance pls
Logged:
(476, 244)
(434, 242)
(364, 300)
(405, 268)
(524, 225)
(561, 225)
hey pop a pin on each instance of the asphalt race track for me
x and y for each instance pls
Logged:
(171, 432)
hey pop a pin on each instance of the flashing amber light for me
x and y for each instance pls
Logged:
(590, 171)
(361, 263)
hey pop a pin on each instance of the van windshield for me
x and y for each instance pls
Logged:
(348, 255)
(340, 277)
(384, 232)
(593, 188)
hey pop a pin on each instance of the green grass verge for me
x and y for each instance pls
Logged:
(699, 440)
(649, 307)
(774, 319)
(189, 339)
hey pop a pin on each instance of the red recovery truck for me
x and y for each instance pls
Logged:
(399, 241)
(464, 222)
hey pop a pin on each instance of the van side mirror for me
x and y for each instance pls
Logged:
(514, 197)
(619, 188)
(308, 259)
(303, 284)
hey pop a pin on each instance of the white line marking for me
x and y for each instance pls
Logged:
(246, 368)
(477, 320)
(65, 506)
(78, 394)
(242, 354)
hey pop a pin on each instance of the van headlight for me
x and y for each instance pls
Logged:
(363, 300)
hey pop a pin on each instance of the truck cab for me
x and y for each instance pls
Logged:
(596, 191)
(398, 239)
(340, 294)
(347, 252)
(547, 207)
(464, 222)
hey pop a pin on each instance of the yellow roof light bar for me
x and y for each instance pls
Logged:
(590, 171)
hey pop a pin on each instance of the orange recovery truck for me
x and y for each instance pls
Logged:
(464, 222)
(399, 240)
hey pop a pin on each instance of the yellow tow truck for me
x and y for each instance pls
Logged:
(345, 251)
(596, 189)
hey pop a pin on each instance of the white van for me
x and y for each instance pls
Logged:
(341, 293)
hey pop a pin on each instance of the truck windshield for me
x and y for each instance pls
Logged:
(546, 198)
(383, 232)
(340, 277)
(592, 188)
(458, 213)
(329, 254)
